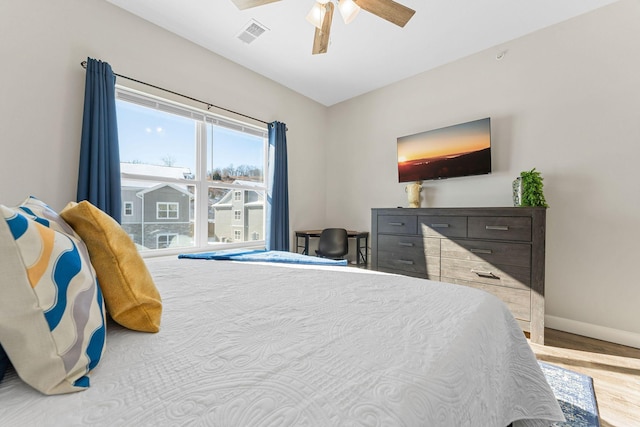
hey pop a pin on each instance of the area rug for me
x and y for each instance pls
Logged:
(263, 256)
(575, 394)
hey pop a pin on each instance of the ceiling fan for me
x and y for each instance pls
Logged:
(321, 15)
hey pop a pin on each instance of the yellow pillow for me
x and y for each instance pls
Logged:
(130, 295)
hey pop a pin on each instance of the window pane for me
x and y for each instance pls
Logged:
(162, 214)
(167, 210)
(235, 220)
(165, 240)
(128, 208)
(151, 137)
(234, 155)
(158, 151)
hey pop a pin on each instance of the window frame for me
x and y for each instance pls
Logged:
(127, 207)
(199, 180)
(159, 235)
(168, 210)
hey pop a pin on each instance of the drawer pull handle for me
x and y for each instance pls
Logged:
(481, 251)
(405, 244)
(403, 261)
(487, 274)
(399, 224)
(497, 227)
(439, 225)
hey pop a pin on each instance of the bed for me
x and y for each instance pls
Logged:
(268, 344)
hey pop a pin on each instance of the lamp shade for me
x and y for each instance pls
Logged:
(348, 10)
(316, 14)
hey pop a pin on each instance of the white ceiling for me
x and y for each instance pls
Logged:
(367, 54)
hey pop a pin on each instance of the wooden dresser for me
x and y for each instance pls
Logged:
(498, 250)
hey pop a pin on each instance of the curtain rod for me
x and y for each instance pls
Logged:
(208, 104)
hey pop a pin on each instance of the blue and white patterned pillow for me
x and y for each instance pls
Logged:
(52, 317)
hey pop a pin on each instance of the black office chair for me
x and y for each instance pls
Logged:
(333, 243)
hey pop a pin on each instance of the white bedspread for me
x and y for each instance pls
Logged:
(278, 345)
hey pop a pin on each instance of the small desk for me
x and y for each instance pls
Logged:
(362, 252)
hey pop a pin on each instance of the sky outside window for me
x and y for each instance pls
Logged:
(153, 137)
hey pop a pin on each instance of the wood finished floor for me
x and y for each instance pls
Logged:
(615, 370)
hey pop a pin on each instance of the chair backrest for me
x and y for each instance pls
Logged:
(333, 243)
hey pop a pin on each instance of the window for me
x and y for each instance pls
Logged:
(164, 240)
(191, 173)
(128, 208)
(167, 210)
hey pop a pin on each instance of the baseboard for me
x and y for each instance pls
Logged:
(617, 336)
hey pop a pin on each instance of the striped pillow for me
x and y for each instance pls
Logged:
(52, 318)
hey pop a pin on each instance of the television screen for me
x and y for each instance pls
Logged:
(458, 150)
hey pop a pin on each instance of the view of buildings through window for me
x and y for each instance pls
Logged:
(189, 178)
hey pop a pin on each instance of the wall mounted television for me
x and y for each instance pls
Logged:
(453, 151)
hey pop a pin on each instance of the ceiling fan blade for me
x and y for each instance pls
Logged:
(247, 4)
(387, 9)
(321, 38)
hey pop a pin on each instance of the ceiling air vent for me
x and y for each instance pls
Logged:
(251, 31)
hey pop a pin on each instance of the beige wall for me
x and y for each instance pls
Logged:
(42, 88)
(565, 100)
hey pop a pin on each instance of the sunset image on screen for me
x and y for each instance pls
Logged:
(457, 150)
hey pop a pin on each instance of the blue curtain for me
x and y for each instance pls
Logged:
(99, 172)
(277, 227)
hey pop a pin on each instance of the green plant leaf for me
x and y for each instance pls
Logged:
(532, 189)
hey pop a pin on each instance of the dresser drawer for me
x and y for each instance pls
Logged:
(398, 224)
(500, 228)
(403, 260)
(410, 254)
(479, 271)
(491, 252)
(517, 300)
(395, 243)
(418, 274)
(406, 244)
(430, 270)
(432, 246)
(439, 226)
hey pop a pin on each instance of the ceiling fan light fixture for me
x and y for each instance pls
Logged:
(348, 10)
(316, 14)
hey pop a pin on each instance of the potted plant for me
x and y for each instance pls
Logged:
(527, 189)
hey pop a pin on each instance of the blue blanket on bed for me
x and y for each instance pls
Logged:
(263, 256)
